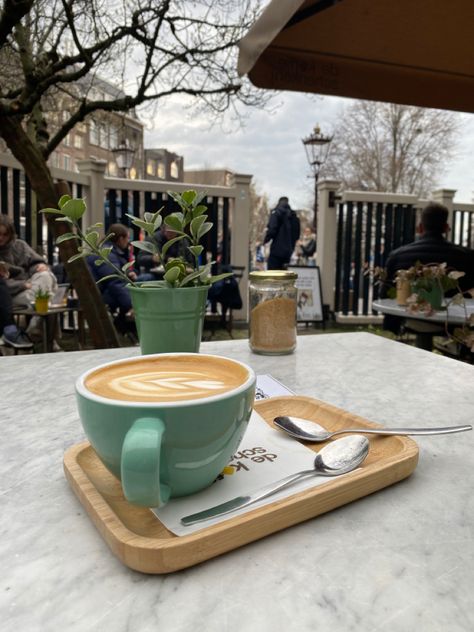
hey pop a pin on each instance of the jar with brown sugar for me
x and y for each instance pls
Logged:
(272, 304)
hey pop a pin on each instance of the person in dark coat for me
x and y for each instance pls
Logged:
(433, 247)
(283, 231)
(114, 291)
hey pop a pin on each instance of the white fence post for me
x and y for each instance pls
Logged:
(326, 238)
(95, 197)
(240, 237)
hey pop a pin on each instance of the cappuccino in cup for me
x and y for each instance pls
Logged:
(167, 379)
(166, 425)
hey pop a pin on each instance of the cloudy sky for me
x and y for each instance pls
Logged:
(269, 147)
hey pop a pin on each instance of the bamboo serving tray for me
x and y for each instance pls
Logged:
(141, 542)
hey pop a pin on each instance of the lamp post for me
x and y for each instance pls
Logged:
(124, 154)
(317, 149)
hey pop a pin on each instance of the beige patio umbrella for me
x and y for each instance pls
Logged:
(415, 52)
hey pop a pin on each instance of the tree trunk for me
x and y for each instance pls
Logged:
(101, 328)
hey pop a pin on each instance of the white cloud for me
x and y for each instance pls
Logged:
(269, 146)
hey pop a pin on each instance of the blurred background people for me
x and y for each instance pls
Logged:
(283, 230)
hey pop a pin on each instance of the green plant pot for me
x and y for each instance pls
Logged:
(169, 319)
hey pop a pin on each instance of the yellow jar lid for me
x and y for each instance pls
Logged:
(273, 275)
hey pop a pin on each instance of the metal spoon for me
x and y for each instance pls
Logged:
(311, 431)
(340, 457)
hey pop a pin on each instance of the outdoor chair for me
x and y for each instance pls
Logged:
(224, 296)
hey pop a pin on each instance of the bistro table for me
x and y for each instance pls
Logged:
(50, 321)
(399, 559)
(433, 324)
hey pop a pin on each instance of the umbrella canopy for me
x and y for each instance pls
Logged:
(414, 52)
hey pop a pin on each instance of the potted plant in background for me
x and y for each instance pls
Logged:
(42, 301)
(169, 313)
(427, 284)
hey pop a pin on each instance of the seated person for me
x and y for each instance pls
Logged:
(28, 271)
(433, 247)
(430, 247)
(114, 291)
(11, 334)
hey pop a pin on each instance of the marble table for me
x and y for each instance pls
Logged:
(455, 315)
(400, 559)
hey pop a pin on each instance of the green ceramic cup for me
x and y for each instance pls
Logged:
(166, 425)
(169, 319)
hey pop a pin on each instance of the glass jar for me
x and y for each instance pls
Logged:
(272, 305)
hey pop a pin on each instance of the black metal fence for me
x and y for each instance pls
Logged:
(18, 201)
(367, 233)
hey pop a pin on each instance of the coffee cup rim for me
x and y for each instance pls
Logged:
(85, 392)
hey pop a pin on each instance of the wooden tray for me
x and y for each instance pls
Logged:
(142, 542)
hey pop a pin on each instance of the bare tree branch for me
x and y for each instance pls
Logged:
(389, 147)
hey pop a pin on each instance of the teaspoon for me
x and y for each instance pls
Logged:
(340, 457)
(307, 430)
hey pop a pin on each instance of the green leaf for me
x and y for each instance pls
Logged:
(105, 252)
(74, 209)
(196, 250)
(174, 222)
(146, 226)
(199, 210)
(128, 265)
(66, 237)
(109, 276)
(145, 245)
(80, 255)
(63, 199)
(99, 262)
(196, 224)
(189, 196)
(172, 275)
(64, 219)
(92, 238)
(205, 271)
(53, 211)
(169, 243)
(219, 277)
(205, 228)
(190, 277)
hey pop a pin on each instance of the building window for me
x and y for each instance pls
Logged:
(112, 168)
(133, 173)
(150, 167)
(78, 141)
(103, 136)
(67, 140)
(174, 170)
(160, 170)
(113, 137)
(67, 162)
(94, 133)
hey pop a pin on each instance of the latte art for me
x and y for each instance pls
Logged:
(161, 384)
(167, 379)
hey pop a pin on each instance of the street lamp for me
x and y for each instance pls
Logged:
(317, 149)
(124, 154)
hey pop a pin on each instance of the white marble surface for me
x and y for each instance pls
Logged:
(399, 560)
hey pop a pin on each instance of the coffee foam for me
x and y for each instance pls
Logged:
(167, 379)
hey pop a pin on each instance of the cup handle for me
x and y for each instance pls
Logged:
(140, 464)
